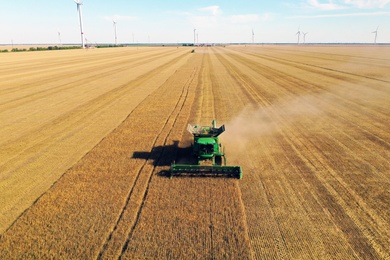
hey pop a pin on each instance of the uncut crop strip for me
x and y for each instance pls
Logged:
(376, 245)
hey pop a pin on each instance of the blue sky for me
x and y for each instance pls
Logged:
(174, 21)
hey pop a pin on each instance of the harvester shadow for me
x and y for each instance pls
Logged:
(165, 155)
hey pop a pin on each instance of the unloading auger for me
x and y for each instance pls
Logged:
(207, 149)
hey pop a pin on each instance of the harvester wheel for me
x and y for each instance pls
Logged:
(218, 160)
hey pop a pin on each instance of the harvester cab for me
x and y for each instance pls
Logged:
(206, 148)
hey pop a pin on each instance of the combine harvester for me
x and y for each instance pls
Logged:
(207, 149)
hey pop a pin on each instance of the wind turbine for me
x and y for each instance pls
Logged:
(253, 36)
(304, 37)
(298, 33)
(59, 37)
(79, 3)
(376, 33)
(114, 23)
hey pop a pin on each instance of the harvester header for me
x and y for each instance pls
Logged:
(208, 152)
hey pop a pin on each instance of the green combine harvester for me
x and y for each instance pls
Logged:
(208, 151)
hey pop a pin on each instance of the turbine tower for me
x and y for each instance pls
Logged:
(376, 33)
(194, 36)
(298, 33)
(253, 37)
(79, 3)
(304, 37)
(114, 23)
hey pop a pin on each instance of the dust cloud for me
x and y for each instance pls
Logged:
(254, 123)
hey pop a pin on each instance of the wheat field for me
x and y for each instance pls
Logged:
(87, 135)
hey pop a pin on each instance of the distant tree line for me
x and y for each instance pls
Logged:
(110, 45)
(49, 48)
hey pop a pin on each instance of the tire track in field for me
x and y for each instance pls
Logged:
(339, 209)
(140, 188)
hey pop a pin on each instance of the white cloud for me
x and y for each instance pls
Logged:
(328, 5)
(337, 15)
(363, 4)
(214, 9)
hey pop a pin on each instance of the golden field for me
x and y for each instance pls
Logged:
(86, 136)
